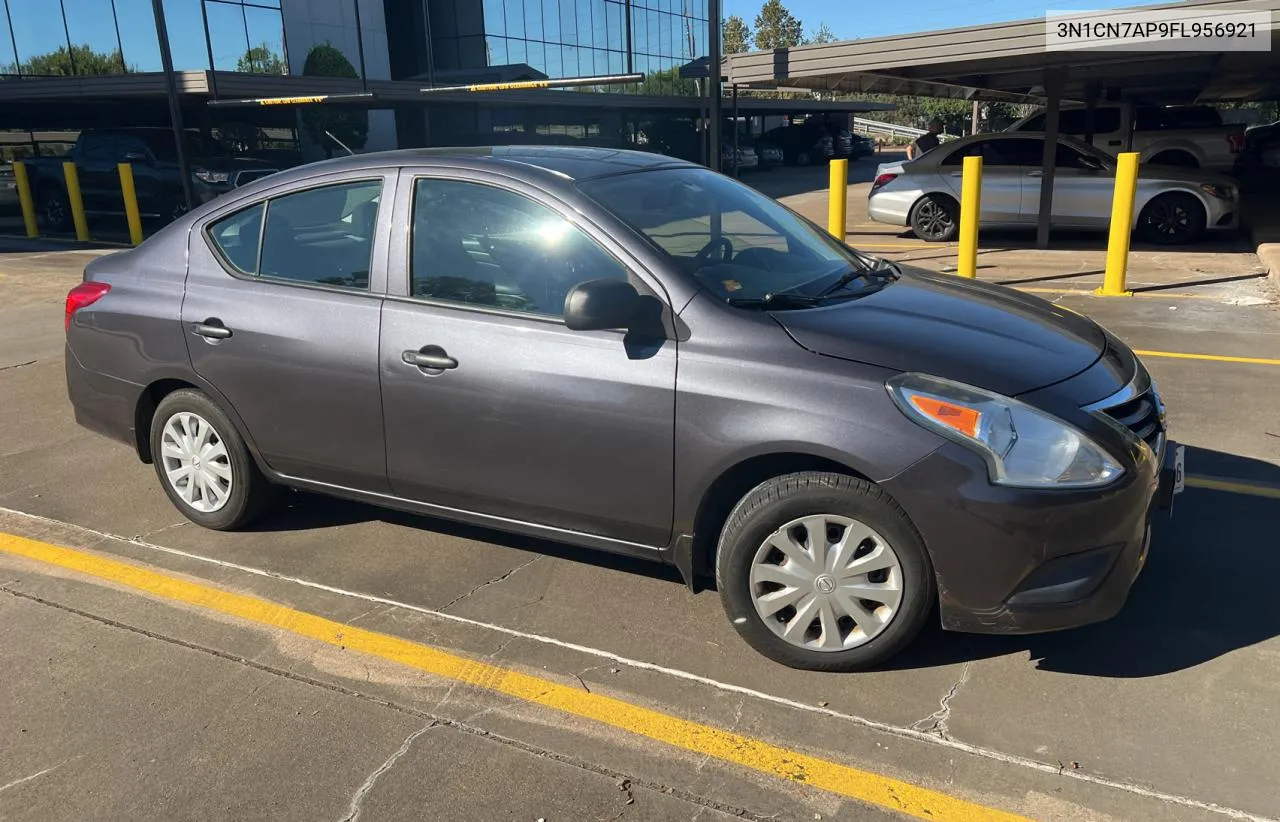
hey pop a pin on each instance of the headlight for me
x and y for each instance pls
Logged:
(206, 176)
(1023, 447)
(1221, 192)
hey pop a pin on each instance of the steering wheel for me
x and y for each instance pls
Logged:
(722, 243)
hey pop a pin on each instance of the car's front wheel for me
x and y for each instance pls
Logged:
(55, 210)
(1175, 218)
(203, 464)
(823, 572)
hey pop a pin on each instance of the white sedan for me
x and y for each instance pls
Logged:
(1172, 206)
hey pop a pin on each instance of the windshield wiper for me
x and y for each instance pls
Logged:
(883, 269)
(780, 300)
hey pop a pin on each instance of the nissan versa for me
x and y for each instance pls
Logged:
(632, 353)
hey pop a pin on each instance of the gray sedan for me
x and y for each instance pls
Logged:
(634, 354)
(1172, 206)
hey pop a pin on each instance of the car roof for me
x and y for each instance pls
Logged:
(565, 162)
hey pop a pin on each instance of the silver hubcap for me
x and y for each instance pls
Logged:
(826, 583)
(196, 462)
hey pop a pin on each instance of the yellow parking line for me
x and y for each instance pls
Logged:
(733, 748)
(1233, 486)
(1085, 292)
(1177, 355)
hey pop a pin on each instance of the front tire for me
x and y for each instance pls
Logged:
(935, 218)
(203, 464)
(1172, 219)
(823, 572)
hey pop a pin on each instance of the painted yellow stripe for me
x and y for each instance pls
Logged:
(1177, 355)
(1083, 292)
(737, 749)
(1233, 486)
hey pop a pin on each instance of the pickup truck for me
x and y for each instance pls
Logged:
(152, 152)
(1182, 136)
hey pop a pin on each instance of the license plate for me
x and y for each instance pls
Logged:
(1179, 469)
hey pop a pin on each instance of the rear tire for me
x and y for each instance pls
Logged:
(203, 465)
(861, 617)
(935, 218)
(1175, 218)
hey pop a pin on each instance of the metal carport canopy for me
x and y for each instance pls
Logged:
(1008, 61)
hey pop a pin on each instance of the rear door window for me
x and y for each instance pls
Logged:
(319, 236)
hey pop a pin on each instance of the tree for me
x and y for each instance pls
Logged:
(262, 60)
(822, 34)
(79, 60)
(351, 126)
(737, 37)
(777, 28)
(668, 83)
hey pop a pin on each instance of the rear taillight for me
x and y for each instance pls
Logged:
(883, 180)
(81, 296)
(1236, 141)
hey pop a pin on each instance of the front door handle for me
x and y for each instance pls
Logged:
(429, 356)
(212, 329)
(1036, 173)
(1113, 142)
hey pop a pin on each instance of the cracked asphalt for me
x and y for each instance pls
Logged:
(119, 705)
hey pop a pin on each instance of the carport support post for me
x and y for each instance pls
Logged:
(970, 208)
(175, 108)
(1113, 282)
(716, 24)
(1054, 79)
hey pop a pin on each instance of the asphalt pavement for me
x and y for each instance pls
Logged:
(594, 687)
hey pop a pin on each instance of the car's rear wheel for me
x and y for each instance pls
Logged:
(803, 158)
(55, 210)
(823, 572)
(1172, 219)
(203, 464)
(935, 218)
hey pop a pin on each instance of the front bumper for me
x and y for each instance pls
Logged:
(1017, 561)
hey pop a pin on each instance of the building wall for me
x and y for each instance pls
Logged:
(310, 23)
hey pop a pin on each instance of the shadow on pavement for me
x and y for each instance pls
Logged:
(1209, 586)
(1208, 589)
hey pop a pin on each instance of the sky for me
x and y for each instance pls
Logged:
(849, 19)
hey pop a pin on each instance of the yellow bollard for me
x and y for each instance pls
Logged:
(130, 194)
(76, 200)
(836, 209)
(24, 198)
(970, 209)
(1113, 281)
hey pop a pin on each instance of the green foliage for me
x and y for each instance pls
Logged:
(777, 28)
(79, 60)
(262, 60)
(822, 34)
(351, 126)
(737, 37)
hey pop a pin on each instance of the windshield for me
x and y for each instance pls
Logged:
(736, 242)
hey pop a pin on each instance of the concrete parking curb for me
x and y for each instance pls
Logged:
(1269, 254)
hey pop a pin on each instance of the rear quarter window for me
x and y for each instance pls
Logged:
(237, 238)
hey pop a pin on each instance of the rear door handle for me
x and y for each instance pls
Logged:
(429, 356)
(212, 329)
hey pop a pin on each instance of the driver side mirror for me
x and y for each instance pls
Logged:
(1091, 163)
(600, 305)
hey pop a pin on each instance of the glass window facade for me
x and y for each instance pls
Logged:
(566, 38)
(85, 37)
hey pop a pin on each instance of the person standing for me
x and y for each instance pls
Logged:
(925, 142)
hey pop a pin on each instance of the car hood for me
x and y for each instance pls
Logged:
(1193, 176)
(980, 334)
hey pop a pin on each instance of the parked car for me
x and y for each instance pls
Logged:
(770, 154)
(1181, 136)
(1262, 146)
(635, 354)
(153, 155)
(802, 145)
(742, 159)
(861, 146)
(1172, 206)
